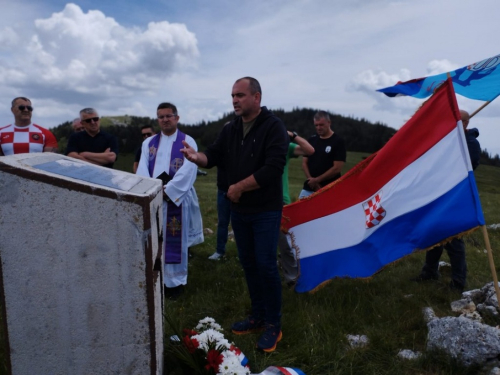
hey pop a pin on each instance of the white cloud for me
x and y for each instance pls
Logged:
(93, 55)
(8, 37)
(440, 66)
(369, 81)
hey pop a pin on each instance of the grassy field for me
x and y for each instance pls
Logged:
(386, 308)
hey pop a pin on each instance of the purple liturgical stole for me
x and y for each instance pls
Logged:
(173, 235)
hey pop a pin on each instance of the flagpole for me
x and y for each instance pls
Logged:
(492, 263)
(480, 108)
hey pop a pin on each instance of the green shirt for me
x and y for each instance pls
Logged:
(290, 154)
(247, 126)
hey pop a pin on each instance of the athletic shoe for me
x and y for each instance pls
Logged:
(215, 256)
(249, 325)
(270, 338)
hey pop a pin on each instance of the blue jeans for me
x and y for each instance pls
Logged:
(256, 237)
(305, 193)
(223, 217)
(456, 252)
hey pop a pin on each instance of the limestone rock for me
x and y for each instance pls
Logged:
(409, 354)
(474, 315)
(357, 341)
(444, 264)
(475, 295)
(463, 306)
(428, 314)
(464, 339)
(484, 309)
(490, 295)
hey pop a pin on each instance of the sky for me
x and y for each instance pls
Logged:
(125, 57)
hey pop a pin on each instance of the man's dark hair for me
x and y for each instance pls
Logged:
(19, 97)
(166, 106)
(147, 127)
(322, 114)
(88, 111)
(253, 85)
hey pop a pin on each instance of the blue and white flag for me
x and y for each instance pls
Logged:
(479, 81)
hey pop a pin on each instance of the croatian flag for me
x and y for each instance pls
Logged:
(417, 191)
(479, 81)
(276, 370)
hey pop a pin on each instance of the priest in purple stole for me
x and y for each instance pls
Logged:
(182, 225)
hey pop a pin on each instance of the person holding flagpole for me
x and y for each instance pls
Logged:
(161, 158)
(456, 247)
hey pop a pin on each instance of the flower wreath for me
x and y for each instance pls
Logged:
(205, 351)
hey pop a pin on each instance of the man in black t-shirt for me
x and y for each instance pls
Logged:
(92, 145)
(325, 165)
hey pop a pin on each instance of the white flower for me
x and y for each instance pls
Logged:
(212, 339)
(208, 323)
(231, 365)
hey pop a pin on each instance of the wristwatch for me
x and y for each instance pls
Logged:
(294, 134)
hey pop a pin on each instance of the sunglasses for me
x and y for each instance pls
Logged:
(167, 116)
(23, 107)
(89, 120)
(145, 135)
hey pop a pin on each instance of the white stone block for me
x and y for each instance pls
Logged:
(78, 248)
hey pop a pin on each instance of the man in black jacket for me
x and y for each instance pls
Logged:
(252, 149)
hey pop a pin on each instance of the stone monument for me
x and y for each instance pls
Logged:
(81, 275)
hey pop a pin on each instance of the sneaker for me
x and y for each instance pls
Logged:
(215, 256)
(249, 325)
(270, 338)
(425, 277)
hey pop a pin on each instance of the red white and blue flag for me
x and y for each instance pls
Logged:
(480, 81)
(276, 370)
(417, 191)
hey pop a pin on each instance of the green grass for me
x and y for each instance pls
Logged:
(386, 308)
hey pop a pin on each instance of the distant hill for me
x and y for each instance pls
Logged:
(359, 135)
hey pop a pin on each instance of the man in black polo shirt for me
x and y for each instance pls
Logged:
(92, 145)
(325, 165)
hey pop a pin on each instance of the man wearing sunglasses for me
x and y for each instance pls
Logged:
(92, 145)
(146, 132)
(22, 136)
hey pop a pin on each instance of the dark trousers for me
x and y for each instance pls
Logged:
(456, 252)
(256, 237)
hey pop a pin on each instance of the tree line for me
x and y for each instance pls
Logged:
(359, 135)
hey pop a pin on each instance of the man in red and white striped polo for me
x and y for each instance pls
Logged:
(22, 136)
